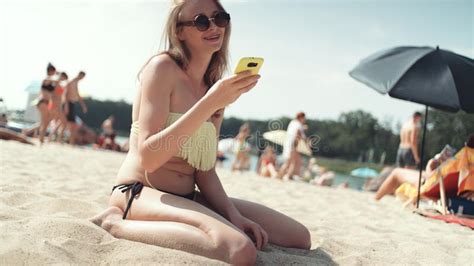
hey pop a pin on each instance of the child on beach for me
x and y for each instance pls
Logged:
(268, 163)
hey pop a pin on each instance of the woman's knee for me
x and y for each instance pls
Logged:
(111, 222)
(296, 237)
(242, 252)
(303, 239)
(397, 175)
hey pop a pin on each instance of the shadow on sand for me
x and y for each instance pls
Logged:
(274, 255)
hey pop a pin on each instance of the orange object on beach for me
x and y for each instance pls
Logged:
(457, 174)
(58, 91)
(452, 219)
(466, 171)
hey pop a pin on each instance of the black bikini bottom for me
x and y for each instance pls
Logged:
(137, 187)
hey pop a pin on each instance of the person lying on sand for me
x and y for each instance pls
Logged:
(8, 134)
(404, 175)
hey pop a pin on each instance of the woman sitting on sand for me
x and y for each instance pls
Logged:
(177, 115)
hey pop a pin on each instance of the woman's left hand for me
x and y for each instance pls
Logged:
(253, 230)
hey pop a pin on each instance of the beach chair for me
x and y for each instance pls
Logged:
(452, 178)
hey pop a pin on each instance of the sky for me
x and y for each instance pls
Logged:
(308, 46)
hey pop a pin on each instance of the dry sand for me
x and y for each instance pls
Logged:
(48, 193)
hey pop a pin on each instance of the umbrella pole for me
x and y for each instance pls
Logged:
(421, 156)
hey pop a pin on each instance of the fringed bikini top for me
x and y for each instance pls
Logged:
(200, 149)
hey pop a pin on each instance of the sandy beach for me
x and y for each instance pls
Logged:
(47, 194)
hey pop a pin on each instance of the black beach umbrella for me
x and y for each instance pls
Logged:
(429, 76)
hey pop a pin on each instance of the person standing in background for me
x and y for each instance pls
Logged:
(47, 89)
(55, 109)
(294, 133)
(407, 154)
(71, 99)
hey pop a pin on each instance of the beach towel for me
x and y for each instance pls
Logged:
(451, 219)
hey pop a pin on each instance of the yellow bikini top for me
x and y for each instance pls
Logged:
(200, 149)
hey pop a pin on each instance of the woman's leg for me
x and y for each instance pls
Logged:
(395, 179)
(264, 171)
(239, 161)
(284, 168)
(282, 230)
(298, 164)
(44, 120)
(62, 127)
(245, 161)
(273, 172)
(236, 161)
(291, 166)
(170, 221)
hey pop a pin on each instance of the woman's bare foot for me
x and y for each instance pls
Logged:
(106, 218)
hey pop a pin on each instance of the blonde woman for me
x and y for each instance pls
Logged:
(173, 142)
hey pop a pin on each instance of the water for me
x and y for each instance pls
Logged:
(120, 140)
(230, 158)
(353, 182)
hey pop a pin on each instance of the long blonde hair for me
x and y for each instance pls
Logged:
(178, 51)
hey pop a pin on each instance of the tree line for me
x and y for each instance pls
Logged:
(355, 135)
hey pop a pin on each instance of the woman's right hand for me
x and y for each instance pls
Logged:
(228, 90)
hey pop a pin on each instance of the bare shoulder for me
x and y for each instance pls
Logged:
(160, 74)
(160, 65)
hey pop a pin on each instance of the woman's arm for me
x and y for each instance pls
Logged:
(212, 189)
(210, 185)
(272, 169)
(432, 165)
(158, 144)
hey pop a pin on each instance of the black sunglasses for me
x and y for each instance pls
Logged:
(202, 22)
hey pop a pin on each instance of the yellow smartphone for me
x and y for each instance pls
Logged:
(249, 63)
